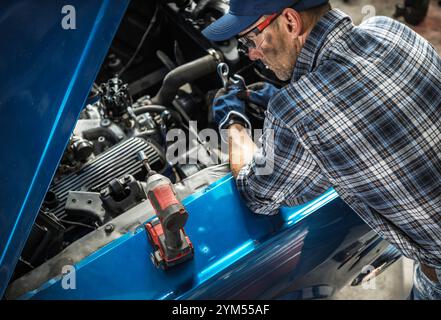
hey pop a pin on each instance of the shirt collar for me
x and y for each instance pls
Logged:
(330, 27)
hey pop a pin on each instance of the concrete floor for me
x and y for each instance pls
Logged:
(396, 282)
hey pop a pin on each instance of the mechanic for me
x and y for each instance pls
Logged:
(361, 114)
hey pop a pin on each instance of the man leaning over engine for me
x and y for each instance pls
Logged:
(361, 114)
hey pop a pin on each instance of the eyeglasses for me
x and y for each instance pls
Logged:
(246, 41)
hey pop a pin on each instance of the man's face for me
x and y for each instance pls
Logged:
(274, 48)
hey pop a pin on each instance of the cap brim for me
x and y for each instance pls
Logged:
(228, 26)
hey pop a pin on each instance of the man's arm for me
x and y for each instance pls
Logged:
(229, 107)
(241, 148)
(280, 173)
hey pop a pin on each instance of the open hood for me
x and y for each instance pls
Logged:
(51, 54)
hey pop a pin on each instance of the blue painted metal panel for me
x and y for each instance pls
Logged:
(47, 72)
(237, 254)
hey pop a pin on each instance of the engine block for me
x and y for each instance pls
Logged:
(115, 162)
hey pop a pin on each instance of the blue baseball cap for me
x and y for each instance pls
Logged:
(243, 13)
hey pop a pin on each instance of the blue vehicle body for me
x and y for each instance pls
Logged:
(308, 251)
(48, 72)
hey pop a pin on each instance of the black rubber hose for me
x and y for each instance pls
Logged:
(184, 74)
(149, 108)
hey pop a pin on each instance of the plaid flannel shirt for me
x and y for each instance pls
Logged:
(362, 114)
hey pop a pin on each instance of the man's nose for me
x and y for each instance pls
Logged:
(254, 54)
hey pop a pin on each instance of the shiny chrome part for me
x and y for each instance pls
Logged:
(238, 80)
(223, 71)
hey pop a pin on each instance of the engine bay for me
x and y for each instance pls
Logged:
(160, 74)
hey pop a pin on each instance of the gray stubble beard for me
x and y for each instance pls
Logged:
(284, 72)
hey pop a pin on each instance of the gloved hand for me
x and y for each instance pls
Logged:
(259, 94)
(227, 105)
(230, 105)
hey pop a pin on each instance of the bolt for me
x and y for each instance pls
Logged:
(105, 122)
(109, 228)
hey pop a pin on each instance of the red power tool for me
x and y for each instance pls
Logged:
(166, 232)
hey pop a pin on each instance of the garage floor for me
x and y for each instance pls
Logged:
(395, 282)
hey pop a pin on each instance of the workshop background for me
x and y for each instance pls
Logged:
(396, 281)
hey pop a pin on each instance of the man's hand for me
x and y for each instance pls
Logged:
(233, 102)
(227, 105)
(232, 105)
(258, 96)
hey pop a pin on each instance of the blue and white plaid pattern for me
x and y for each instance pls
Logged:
(362, 114)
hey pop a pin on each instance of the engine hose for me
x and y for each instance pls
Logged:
(183, 74)
(149, 108)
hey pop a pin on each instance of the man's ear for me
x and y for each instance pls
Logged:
(292, 22)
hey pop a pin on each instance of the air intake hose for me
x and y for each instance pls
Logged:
(183, 74)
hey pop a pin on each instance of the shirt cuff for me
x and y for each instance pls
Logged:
(224, 124)
(253, 201)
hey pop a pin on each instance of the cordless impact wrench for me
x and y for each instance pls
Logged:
(166, 232)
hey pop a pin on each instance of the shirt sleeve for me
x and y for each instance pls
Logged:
(281, 173)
